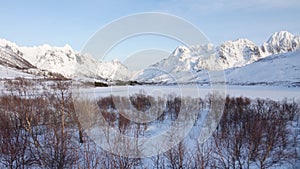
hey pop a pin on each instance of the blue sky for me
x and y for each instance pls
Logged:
(74, 22)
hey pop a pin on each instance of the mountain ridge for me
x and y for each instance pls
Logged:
(229, 55)
(185, 64)
(65, 61)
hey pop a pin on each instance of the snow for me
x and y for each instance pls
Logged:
(275, 62)
(263, 92)
(277, 69)
(10, 73)
(12, 57)
(66, 61)
(267, 72)
(238, 53)
(281, 42)
(196, 58)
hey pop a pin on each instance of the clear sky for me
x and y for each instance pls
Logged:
(57, 22)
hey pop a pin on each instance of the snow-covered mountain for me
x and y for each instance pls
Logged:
(12, 57)
(181, 65)
(278, 69)
(62, 60)
(244, 62)
(238, 53)
(189, 64)
(281, 42)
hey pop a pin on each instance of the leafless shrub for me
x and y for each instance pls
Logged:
(39, 128)
(253, 134)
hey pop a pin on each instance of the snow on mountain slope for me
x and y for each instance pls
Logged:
(238, 53)
(87, 66)
(281, 42)
(277, 69)
(193, 59)
(12, 57)
(186, 59)
(181, 65)
(185, 64)
(188, 64)
(65, 61)
(54, 59)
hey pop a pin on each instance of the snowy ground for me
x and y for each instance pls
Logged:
(270, 92)
(276, 93)
(10, 73)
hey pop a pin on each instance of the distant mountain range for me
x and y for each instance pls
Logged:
(276, 61)
(241, 59)
(59, 60)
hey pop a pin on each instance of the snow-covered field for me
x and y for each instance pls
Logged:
(263, 92)
(155, 128)
(269, 71)
(9, 73)
(89, 120)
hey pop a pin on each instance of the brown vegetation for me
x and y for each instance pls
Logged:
(39, 128)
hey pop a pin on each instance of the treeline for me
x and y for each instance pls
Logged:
(41, 126)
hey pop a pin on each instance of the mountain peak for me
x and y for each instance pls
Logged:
(281, 36)
(281, 42)
(238, 53)
(239, 43)
(180, 50)
(4, 42)
(67, 47)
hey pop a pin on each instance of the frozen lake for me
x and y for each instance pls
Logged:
(270, 92)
